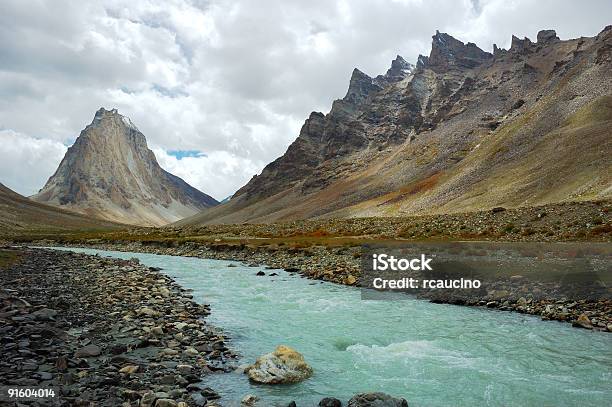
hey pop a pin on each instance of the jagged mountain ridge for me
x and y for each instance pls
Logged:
(463, 130)
(110, 173)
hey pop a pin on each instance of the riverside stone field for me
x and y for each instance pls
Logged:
(342, 265)
(330, 250)
(108, 332)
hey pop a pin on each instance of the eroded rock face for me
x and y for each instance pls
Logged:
(441, 137)
(546, 36)
(376, 400)
(110, 173)
(284, 365)
(447, 53)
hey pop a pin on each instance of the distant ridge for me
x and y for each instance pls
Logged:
(20, 214)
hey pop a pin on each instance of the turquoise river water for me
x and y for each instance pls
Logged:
(430, 354)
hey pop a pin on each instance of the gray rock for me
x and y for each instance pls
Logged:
(330, 402)
(376, 400)
(44, 314)
(90, 350)
(165, 403)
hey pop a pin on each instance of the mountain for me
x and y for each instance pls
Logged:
(110, 173)
(462, 130)
(20, 214)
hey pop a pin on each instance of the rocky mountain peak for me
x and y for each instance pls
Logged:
(547, 36)
(360, 86)
(448, 52)
(102, 116)
(520, 46)
(110, 173)
(399, 70)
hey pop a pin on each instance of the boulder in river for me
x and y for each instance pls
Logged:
(376, 400)
(583, 321)
(330, 402)
(284, 365)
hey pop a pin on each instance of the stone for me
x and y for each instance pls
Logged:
(88, 351)
(350, 280)
(210, 394)
(197, 399)
(44, 314)
(61, 364)
(170, 352)
(330, 402)
(376, 400)
(180, 325)
(165, 403)
(184, 369)
(167, 379)
(248, 400)
(147, 399)
(157, 331)
(43, 375)
(129, 369)
(583, 321)
(284, 365)
(260, 273)
(148, 312)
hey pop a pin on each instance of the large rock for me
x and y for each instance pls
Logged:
(376, 400)
(284, 365)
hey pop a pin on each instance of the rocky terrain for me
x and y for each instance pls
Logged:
(103, 332)
(110, 173)
(109, 332)
(20, 215)
(331, 250)
(461, 130)
(590, 308)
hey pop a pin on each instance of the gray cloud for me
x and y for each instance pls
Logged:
(233, 79)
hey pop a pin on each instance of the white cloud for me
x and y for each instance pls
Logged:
(26, 163)
(219, 173)
(233, 79)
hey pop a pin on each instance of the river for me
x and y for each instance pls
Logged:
(430, 354)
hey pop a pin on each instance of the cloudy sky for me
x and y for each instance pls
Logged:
(220, 88)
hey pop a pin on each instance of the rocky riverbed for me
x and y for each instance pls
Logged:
(342, 265)
(105, 332)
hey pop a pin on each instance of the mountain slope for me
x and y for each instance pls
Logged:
(20, 214)
(111, 174)
(463, 130)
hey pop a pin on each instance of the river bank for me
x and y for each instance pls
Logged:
(342, 265)
(404, 348)
(110, 332)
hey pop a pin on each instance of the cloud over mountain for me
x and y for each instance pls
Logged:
(232, 79)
